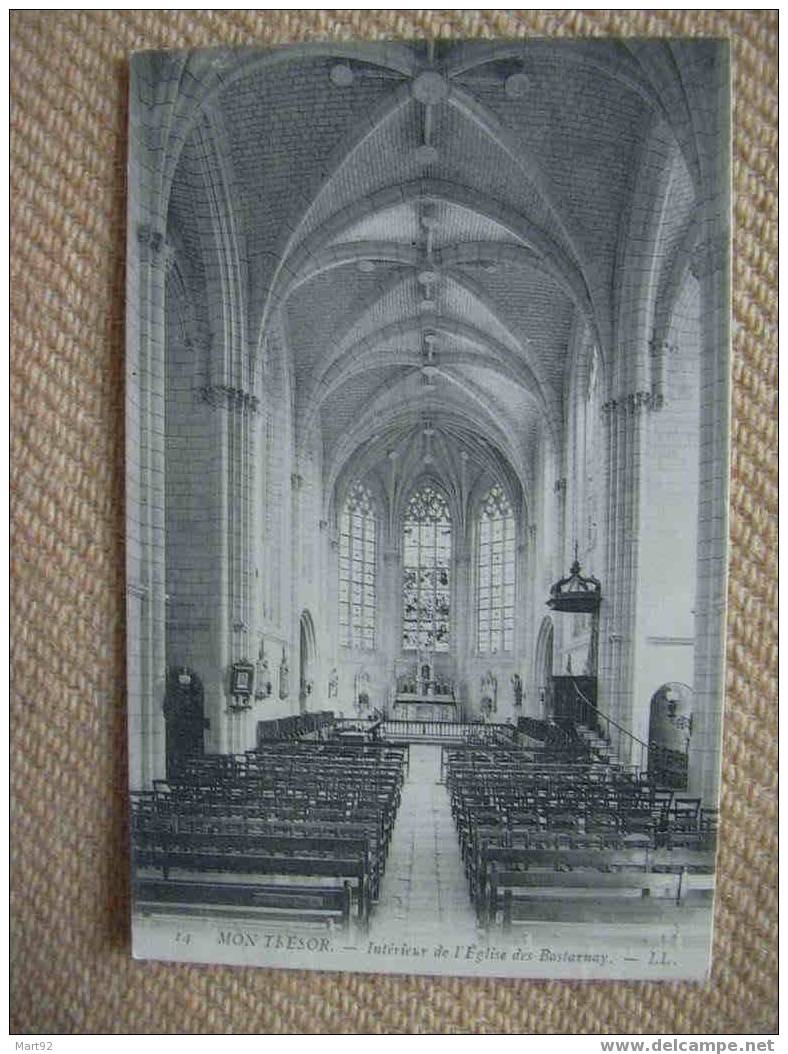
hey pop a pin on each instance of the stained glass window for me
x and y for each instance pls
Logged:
(495, 574)
(427, 572)
(357, 570)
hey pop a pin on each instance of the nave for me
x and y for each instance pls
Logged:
(424, 885)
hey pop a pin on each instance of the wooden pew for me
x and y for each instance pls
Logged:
(592, 896)
(498, 860)
(300, 903)
(269, 857)
(592, 884)
(507, 805)
(239, 850)
(283, 818)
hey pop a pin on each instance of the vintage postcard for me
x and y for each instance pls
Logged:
(427, 424)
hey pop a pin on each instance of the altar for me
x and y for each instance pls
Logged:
(423, 696)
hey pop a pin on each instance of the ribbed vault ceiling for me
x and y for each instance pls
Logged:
(431, 224)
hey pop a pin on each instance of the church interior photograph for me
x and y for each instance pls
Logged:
(427, 474)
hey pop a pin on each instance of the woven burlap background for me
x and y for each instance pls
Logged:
(71, 968)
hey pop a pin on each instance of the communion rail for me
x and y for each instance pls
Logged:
(414, 731)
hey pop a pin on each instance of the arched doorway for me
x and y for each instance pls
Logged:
(307, 658)
(184, 717)
(669, 733)
(544, 667)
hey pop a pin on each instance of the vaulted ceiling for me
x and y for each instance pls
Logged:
(432, 223)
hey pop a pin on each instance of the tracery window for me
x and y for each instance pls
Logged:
(427, 572)
(495, 573)
(357, 567)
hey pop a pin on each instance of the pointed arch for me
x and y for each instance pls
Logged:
(382, 424)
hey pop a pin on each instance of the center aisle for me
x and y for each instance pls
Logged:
(424, 886)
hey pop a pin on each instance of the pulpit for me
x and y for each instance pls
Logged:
(574, 699)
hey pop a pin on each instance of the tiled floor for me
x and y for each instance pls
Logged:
(425, 883)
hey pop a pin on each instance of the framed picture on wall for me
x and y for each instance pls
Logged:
(242, 678)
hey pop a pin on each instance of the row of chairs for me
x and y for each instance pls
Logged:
(599, 885)
(292, 830)
(509, 809)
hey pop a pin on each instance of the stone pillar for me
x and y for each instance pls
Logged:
(232, 622)
(331, 595)
(389, 609)
(522, 643)
(560, 563)
(389, 596)
(661, 351)
(145, 498)
(523, 584)
(464, 614)
(625, 427)
(153, 94)
(711, 266)
(292, 615)
(535, 609)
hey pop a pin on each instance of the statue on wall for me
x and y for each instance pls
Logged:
(362, 691)
(262, 680)
(517, 690)
(333, 684)
(284, 676)
(489, 693)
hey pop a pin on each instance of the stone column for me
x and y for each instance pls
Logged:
(527, 617)
(293, 597)
(559, 563)
(625, 426)
(711, 266)
(389, 596)
(464, 614)
(234, 415)
(389, 606)
(535, 609)
(154, 91)
(145, 499)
